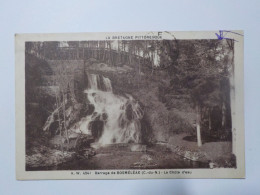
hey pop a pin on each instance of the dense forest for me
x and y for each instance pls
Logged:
(81, 93)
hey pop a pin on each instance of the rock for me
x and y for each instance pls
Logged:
(129, 112)
(57, 141)
(123, 122)
(91, 61)
(90, 109)
(86, 153)
(138, 148)
(212, 165)
(76, 141)
(84, 141)
(96, 128)
(51, 157)
(104, 116)
(146, 157)
(137, 165)
(146, 162)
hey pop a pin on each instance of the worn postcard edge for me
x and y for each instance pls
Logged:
(239, 143)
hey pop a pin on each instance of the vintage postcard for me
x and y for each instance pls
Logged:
(130, 105)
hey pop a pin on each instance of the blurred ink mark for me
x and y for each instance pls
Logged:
(223, 33)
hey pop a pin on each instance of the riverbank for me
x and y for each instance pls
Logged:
(174, 154)
(114, 156)
(217, 154)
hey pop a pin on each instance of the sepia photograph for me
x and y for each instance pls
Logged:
(150, 104)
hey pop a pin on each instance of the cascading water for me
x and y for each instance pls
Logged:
(115, 119)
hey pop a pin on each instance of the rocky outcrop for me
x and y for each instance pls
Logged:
(215, 154)
(48, 158)
(146, 162)
(188, 154)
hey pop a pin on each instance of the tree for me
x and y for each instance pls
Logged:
(63, 79)
(201, 69)
(231, 70)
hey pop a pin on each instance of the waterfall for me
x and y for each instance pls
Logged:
(97, 82)
(115, 119)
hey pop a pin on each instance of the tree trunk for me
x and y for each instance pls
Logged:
(231, 70)
(232, 104)
(198, 126)
(59, 119)
(64, 117)
(110, 55)
(209, 114)
(223, 123)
